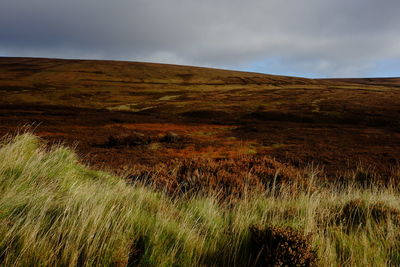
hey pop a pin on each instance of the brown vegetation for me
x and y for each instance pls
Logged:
(121, 114)
(230, 177)
(282, 246)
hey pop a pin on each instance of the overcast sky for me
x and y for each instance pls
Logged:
(312, 38)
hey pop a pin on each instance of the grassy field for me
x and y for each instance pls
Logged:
(54, 211)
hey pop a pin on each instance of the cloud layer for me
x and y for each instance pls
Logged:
(310, 37)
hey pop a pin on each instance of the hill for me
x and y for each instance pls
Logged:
(124, 113)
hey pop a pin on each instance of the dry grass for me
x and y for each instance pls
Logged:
(281, 246)
(56, 212)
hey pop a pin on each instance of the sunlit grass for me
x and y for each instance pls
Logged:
(54, 211)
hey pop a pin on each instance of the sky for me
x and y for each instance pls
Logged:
(308, 38)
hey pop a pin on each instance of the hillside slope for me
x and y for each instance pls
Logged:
(215, 113)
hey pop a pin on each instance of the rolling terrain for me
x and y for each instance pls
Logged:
(106, 163)
(124, 114)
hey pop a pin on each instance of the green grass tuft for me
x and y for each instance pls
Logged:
(54, 211)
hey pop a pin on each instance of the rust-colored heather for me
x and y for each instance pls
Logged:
(228, 176)
(281, 246)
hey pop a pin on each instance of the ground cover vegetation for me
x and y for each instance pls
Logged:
(121, 114)
(56, 211)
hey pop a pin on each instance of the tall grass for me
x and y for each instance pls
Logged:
(54, 211)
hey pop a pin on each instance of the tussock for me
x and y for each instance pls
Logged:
(54, 211)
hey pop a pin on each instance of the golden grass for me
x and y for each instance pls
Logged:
(54, 211)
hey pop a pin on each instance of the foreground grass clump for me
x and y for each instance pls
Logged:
(282, 246)
(56, 212)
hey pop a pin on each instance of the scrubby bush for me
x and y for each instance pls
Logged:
(132, 139)
(227, 176)
(281, 246)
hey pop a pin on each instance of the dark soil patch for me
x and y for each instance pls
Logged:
(132, 139)
(16, 88)
(279, 116)
(206, 114)
(171, 137)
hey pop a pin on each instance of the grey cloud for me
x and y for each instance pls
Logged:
(328, 38)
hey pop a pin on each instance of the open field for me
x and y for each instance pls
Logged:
(184, 166)
(54, 211)
(335, 123)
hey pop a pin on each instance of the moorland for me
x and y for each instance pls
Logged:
(334, 123)
(110, 163)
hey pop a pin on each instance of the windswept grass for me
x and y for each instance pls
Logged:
(54, 211)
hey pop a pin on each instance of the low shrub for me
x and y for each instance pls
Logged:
(281, 246)
(133, 139)
(229, 177)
